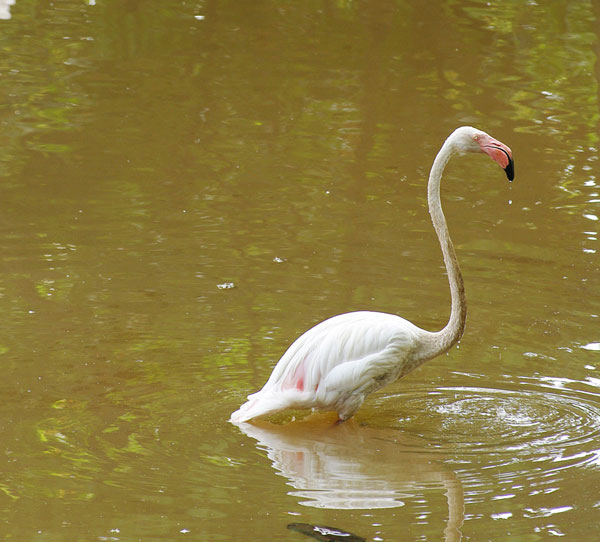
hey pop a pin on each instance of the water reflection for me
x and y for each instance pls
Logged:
(346, 466)
(517, 442)
(5, 6)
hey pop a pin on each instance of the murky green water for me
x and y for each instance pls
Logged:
(186, 187)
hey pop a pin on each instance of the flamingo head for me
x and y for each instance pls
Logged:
(469, 139)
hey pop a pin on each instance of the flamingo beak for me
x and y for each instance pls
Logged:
(500, 153)
(510, 169)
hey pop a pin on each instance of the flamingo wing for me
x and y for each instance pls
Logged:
(336, 364)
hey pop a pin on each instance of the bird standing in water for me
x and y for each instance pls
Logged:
(337, 363)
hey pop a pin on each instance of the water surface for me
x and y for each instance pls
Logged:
(187, 187)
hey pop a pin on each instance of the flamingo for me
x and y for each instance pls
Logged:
(336, 364)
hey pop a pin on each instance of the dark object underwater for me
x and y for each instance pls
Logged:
(325, 534)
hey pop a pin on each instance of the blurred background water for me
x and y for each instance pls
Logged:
(187, 186)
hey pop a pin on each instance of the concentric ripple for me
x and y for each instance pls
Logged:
(536, 420)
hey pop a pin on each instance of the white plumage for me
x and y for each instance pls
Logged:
(337, 363)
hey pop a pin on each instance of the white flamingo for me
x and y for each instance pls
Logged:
(337, 363)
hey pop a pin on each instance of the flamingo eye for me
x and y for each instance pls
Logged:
(476, 137)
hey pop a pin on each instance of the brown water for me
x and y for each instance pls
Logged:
(187, 186)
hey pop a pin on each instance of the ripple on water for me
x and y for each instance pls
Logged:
(549, 425)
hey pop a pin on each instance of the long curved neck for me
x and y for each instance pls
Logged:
(441, 341)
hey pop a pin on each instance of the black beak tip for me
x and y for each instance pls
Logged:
(510, 170)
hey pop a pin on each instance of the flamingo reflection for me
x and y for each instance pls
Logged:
(346, 466)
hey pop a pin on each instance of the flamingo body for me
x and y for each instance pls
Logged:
(337, 363)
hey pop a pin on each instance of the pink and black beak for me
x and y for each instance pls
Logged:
(510, 167)
(500, 153)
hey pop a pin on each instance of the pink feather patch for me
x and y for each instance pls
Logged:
(297, 379)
